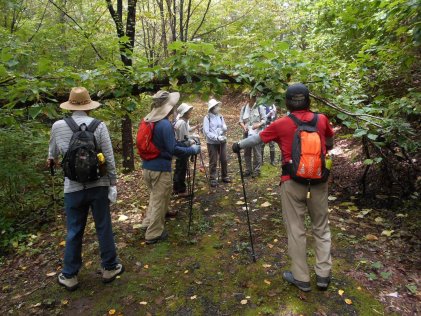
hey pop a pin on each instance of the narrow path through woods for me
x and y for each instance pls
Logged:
(212, 273)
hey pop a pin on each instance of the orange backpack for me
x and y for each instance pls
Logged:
(308, 160)
(145, 147)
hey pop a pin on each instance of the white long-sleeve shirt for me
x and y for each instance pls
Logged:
(213, 126)
(59, 144)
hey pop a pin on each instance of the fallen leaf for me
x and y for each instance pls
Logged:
(331, 198)
(275, 240)
(387, 233)
(143, 303)
(51, 274)
(193, 297)
(394, 294)
(266, 204)
(240, 202)
(63, 243)
(378, 219)
(64, 302)
(146, 266)
(137, 226)
(187, 271)
(270, 246)
(341, 292)
(371, 237)
(265, 265)
(244, 302)
(348, 301)
(122, 218)
(111, 312)
(267, 282)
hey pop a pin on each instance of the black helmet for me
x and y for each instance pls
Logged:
(297, 97)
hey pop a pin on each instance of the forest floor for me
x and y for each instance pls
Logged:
(376, 254)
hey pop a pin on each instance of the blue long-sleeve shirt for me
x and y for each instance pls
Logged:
(164, 139)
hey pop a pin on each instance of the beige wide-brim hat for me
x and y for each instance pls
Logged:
(183, 109)
(79, 100)
(163, 103)
(212, 103)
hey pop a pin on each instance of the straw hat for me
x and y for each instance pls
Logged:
(79, 100)
(183, 109)
(163, 104)
(212, 103)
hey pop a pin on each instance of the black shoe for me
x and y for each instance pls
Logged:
(213, 183)
(247, 174)
(322, 282)
(164, 236)
(226, 180)
(303, 286)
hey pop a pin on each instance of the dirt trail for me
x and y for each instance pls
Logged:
(212, 272)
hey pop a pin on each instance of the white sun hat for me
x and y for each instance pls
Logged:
(183, 109)
(212, 103)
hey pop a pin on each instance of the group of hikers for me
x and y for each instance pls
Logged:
(303, 136)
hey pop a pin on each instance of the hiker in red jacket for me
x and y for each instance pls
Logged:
(303, 183)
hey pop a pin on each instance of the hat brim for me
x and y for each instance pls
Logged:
(188, 108)
(158, 114)
(80, 107)
(211, 106)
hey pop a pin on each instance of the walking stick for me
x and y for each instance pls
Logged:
(192, 195)
(247, 209)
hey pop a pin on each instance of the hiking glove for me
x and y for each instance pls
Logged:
(236, 148)
(196, 149)
(112, 194)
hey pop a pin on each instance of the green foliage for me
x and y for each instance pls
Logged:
(25, 187)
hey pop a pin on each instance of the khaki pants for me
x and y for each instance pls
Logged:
(160, 186)
(217, 152)
(294, 207)
(257, 158)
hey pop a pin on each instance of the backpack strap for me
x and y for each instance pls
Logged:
(93, 126)
(295, 119)
(298, 122)
(72, 124)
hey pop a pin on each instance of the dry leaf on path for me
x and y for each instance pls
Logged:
(244, 302)
(266, 204)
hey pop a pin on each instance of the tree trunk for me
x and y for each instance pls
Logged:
(127, 141)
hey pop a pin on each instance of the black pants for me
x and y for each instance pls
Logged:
(179, 180)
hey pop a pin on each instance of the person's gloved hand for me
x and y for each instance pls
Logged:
(236, 148)
(112, 193)
(196, 149)
(222, 139)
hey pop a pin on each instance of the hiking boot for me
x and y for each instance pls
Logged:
(322, 282)
(171, 214)
(183, 194)
(247, 174)
(303, 286)
(70, 284)
(213, 183)
(110, 275)
(226, 180)
(164, 236)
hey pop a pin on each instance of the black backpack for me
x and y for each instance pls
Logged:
(80, 163)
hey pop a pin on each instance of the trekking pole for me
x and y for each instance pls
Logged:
(219, 163)
(192, 195)
(247, 209)
(188, 177)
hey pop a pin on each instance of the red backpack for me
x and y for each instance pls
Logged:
(145, 147)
